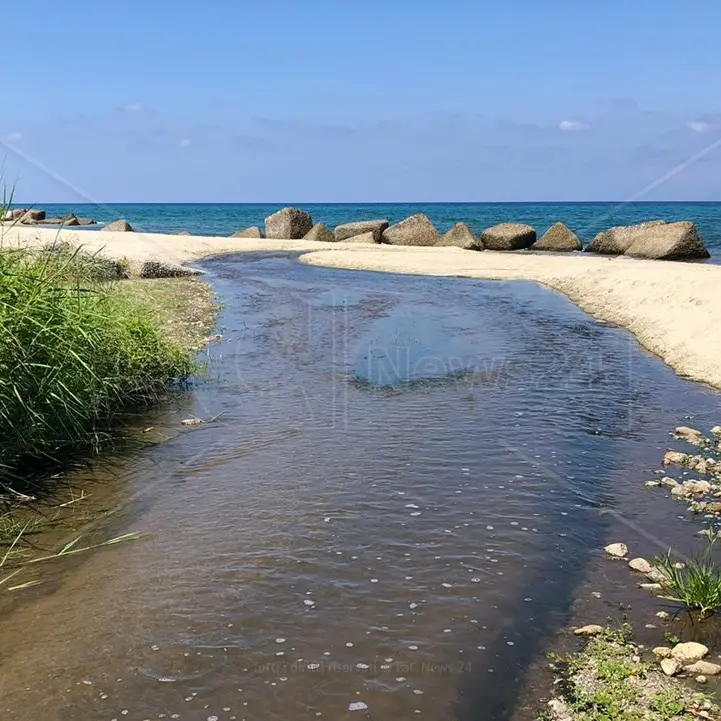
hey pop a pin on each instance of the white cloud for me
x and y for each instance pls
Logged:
(184, 143)
(14, 137)
(572, 126)
(132, 108)
(699, 126)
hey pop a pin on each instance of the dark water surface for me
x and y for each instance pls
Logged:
(410, 479)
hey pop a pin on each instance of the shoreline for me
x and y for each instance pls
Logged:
(670, 307)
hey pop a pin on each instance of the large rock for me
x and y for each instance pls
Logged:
(668, 241)
(288, 224)
(369, 237)
(416, 230)
(688, 653)
(32, 216)
(461, 236)
(70, 220)
(349, 230)
(320, 232)
(508, 236)
(253, 232)
(53, 221)
(17, 213)
(559, 238)
(119, 226)
(617, 240)
(87, 221)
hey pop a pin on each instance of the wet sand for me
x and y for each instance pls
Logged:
(670, 307)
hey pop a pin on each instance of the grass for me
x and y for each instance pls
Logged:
(695, 585)
(610, 681)
(75, 353)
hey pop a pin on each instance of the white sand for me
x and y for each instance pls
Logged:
(670, 307)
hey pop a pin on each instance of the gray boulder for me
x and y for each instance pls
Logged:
(617, 240)
(349, 230)
(253, 232)
(320, 232)
(416, 230)
(70, 220)
(669, 241)
(119, 226)
(508, 236)
(369, 237)
(288, 224)
(31, 216)
(558, 237)
(461, 236)
(87, 221)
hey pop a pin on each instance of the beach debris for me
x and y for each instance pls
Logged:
(508, 236)
(617, 550)
(416, 230)
(288, 224)
(641, 565)
(670, 666)
(559, 238)
(588, 631)
(690, 652)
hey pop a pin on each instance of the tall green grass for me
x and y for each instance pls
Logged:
(75, 353)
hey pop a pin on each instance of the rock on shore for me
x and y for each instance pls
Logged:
(416, 230)
(288, 224)
(668, 241)
(508, 236)
(369, 237)
(349, 230)
(119, 226)
(559, 238)
(320, 232)
(253, 232)
(461, 236)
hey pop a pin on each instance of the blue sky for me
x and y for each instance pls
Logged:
(275, 100)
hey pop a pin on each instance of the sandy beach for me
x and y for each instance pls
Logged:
(670, 307)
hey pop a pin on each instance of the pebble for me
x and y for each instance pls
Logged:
(617, 550)
(701, 679)
(357, 706)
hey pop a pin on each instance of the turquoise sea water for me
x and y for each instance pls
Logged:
(586, 219)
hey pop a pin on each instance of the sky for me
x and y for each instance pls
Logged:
(340, 101)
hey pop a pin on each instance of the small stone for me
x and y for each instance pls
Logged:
(713, 507)
(669, 482)
(650, 586)
(670, 666)
(716, 430)
(662, 615)
(641, 565)
(701, 679)
(617, 550)
(704, 668)
(652, 484)
(690, 652)
(657, 576)
(662, 652)
(675, 458)
(588, 631)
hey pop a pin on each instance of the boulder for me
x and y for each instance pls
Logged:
(416, 230)
(461, 236)
(617, 240)
(350, 230)
(670, 666)
(674, 458)
(668, 241)
(690, 652)
(558, 237)
(508, 236)
(685, 433)
(320, 232)
(288, 224)
(704, 668)
(87, 221)
(617, 550)
(32, 215)
(253, 232)
(119, 226)
(53, 221)
(369, 237)
(70, 220)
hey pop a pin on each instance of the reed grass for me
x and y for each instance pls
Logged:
(75, 353)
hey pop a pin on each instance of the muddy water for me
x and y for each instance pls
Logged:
(408, 481)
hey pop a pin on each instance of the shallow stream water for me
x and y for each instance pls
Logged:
(406, 484)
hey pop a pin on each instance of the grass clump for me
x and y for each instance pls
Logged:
(695, 585)
(610, 681)
(75, 353)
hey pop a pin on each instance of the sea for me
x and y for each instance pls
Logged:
(223, 219)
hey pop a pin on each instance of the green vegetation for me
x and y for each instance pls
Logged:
(610, 681)
(75, 353)
(696, 585)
